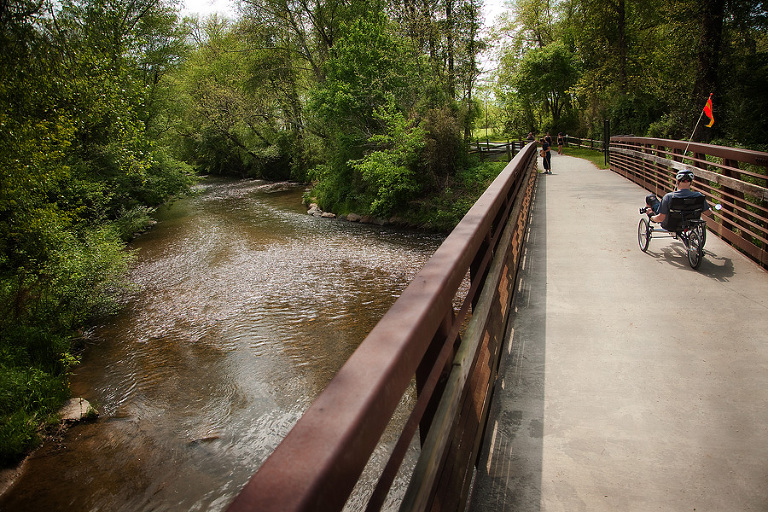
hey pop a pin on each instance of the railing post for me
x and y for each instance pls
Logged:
(658, 171)
(737, 198)
(425, 368)
(476, 269)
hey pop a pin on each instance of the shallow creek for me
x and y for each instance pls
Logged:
(244, 308)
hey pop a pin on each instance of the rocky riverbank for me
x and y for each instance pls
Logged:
(315, 211)
(71, 413)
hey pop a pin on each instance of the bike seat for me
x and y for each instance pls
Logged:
(682, 210)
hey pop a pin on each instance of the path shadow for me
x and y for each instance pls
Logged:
(719, 268)
(509, 466)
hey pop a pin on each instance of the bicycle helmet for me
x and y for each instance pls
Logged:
(686, 175)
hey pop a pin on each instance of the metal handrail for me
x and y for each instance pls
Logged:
(321, 459)
(732, 177)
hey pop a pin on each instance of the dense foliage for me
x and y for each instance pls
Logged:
(648, 66)
(80, 169)
(371, 101)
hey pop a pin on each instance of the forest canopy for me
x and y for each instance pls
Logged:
(648, 66)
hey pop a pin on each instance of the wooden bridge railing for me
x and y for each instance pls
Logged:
(509, 148)
(585, 143)
(442, 334)
(734, 178)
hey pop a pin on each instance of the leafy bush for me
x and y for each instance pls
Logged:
(165, 177)
(135, 220)
(81, 276)
(18, 435)
(33, 366)
(442, 212)
(389, 172)
(85, 276)
(443, 148)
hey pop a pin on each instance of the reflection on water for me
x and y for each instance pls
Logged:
(245, 309)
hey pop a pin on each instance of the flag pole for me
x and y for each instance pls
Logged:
(693, 132)
(697, 124)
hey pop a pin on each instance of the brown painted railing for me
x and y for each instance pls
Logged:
(734, 178)
(443, 334)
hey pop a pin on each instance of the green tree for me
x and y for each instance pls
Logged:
(649, 66)
(537, 66)
(741, 94)
(242, 93)
(545, 76)
(369, 68)
(310, 28)
(446, 34)
(390, 170)
(79, 170)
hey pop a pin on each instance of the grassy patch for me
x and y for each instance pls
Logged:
(596, 157)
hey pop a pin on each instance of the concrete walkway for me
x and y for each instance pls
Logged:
(631, 382)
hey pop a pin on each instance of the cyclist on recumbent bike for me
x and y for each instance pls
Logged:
(659, 210)
(679, 214)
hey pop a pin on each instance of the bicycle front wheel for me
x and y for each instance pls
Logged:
(643, 234)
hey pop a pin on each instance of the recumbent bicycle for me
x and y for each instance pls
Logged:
(683, 222)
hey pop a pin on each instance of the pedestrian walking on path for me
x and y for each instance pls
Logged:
(546, 154)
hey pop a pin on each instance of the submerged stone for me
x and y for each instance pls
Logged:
(77, 409)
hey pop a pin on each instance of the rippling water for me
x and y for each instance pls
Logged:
(244, 310)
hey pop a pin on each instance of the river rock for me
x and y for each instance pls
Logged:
(77, 409)
(370, 219)
(315, 211)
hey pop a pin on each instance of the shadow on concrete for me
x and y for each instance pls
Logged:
(509, 467)
(717, 267)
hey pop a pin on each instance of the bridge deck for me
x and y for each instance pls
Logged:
(632, 382)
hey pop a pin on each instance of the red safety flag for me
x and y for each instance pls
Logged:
(708, 111)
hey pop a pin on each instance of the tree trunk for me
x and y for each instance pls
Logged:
(449, 42)
(621, 15)
(710, 41)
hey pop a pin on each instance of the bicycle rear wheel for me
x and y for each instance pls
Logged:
(695, 248)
